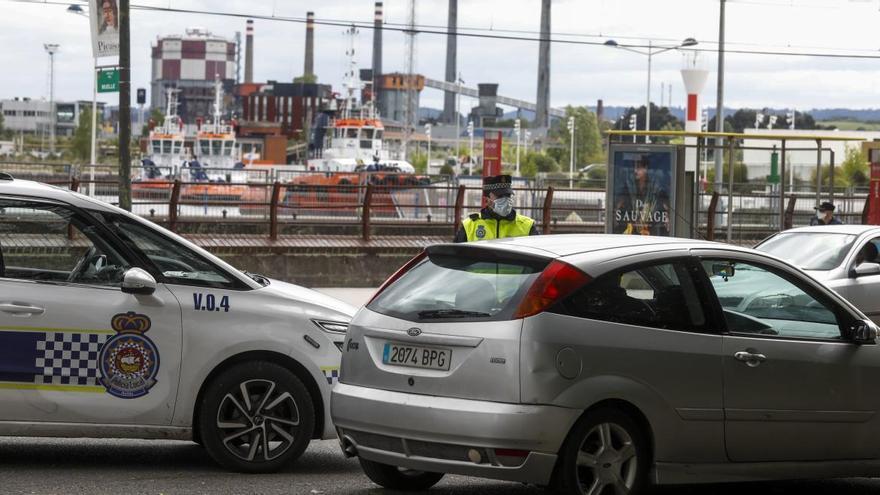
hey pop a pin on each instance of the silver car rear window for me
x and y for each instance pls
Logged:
(458, 288)
(810, 250)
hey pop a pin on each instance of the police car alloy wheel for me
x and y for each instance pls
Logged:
(256, 417)
(606, 452)
(395, 478)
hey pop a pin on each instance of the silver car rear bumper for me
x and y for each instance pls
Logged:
(439, 434)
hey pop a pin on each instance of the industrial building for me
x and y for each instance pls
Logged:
(394, 89)
(190, 63)
(33, 116)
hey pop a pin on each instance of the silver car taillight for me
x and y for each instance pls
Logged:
(557, 281)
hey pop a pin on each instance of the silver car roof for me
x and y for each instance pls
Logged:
(562, 245)
(835, 229)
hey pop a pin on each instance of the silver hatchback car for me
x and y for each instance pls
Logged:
(603, 364)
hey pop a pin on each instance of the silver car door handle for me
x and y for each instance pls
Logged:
(750, 358)
(21, 309)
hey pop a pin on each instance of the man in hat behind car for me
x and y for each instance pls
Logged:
(498, 219)
(825, 215)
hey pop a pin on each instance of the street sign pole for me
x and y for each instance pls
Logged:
(124, 107)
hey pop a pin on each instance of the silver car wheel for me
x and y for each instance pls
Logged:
(607, 461)
(258, 422)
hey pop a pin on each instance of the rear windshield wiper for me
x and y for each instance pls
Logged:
(450, 313)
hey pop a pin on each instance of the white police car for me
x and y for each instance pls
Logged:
(113, 327)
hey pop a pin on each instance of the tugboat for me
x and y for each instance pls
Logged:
(166, 151)
(207, 170)
(216, 165)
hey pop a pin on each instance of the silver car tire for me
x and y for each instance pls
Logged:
(256, 417)
(606, 453)
(395, 478)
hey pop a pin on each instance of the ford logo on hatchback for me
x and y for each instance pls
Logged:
(414, 332)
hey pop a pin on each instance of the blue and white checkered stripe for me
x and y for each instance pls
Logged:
(69, 358)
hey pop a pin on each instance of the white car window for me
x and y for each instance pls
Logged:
(756, 300)
(49, 243)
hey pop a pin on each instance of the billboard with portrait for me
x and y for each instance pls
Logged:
(641, 190)
(104, 18)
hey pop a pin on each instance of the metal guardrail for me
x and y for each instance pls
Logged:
(320, 199)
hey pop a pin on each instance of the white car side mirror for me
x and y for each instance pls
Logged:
(138, 281)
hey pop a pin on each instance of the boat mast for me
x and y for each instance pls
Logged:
(218, 103)
(351, 82)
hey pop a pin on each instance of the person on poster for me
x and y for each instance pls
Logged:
(642, 202)
(109, 24)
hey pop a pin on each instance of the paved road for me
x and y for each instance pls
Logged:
(52, 466)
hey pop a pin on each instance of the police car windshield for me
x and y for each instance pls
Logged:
(178, 264)
(458, 288)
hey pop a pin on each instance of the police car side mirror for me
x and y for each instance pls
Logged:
(138, 281)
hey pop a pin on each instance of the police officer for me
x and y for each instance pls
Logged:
(498, 219)
(825, 215)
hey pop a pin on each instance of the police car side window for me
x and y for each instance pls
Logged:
(177, 263)
(49, 243)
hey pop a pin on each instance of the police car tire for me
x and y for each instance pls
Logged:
(395, 478)
(229, 382)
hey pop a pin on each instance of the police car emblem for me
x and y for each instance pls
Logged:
(129, 360)
(481, 231)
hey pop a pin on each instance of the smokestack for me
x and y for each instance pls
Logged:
(600, 112)
(249, 52)
(377, 53)
(309, 66)
(449, 114)
(542, 117)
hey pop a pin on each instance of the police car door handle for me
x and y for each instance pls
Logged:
(21, 309)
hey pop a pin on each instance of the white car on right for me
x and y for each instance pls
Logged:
(843, 257)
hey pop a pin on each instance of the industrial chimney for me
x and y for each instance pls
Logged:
(449, 110)
(542, 114)
(377, 54)
(249, 52)
(309, 66)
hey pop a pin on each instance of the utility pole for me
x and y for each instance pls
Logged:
(124, 107)
(719, 106)
(51, 49)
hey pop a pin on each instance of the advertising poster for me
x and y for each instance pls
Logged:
(104, 18)
(641, 191)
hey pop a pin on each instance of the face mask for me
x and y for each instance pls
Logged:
(503, 206)
(820, 215)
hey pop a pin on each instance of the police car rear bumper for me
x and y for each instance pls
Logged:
(513, 442)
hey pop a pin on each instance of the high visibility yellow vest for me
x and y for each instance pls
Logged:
(478, 228)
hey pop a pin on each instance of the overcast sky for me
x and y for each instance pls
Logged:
(580, 74)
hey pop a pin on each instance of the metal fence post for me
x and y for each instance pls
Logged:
(548, 204)
(365, 216)
(459, 206)
(172, 205)
(710, 220)
(789, 213)
(74, 186)
(273, 210)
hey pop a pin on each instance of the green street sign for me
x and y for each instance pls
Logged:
(774, 168)
(108, 81)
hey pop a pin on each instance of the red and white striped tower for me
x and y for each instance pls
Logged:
(694, 81)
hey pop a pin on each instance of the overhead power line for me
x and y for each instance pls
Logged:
(484, 33)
